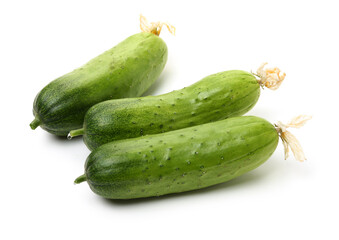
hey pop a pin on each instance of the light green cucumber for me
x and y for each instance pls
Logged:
(181, 160)
(215, 97)
(126, 70)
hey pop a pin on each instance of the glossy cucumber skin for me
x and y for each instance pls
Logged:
(181, 160)
(216, 97)
(126, 70)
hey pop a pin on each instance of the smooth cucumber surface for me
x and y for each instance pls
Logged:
(126, 70)
(215, 97)
(181, 160)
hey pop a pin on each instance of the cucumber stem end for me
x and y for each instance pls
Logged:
(35, 123)
(80, 179)
(75, 133)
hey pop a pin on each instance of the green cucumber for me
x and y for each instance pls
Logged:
(181, 160)
(126, 70)
(215, 97)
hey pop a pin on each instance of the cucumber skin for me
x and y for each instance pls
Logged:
(181, 160)
(216, 97)
(126, 70)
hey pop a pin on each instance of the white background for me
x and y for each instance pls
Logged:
(42, 40)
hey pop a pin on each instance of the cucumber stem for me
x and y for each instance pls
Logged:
(75, 133)
(80, 179)
(35, 123)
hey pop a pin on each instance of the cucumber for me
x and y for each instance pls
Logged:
(126, 70)
(215, 97)
(181, 160)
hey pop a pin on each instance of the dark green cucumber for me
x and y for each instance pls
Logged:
(126, 70)
(181, 160)
(216, 97)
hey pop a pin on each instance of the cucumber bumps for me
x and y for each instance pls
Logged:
(216, 97)
(126, 70)
(185, 159)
